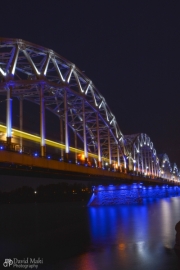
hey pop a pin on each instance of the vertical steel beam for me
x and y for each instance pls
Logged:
(75, 144)
(42, 123)
(125, 165)
(21, 120)
(145, 161)
(66, 124)
(84, 131)
(98, 142)
(158, 169)
(138, 169)
(9, 116)
(134, 160)
(152, 162)
(109, 147)
(155, 166)
(118, 157)
(149, 161)
(61, 137)
(142, 161)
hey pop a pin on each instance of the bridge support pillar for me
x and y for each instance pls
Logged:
(66, 157)
(84, 132)
(99, 164)
(42, 122)
(149, 164)
(118, 158)
(61, 137)
(109, 147)
(21, 120)
(98, 142)
(142, 163)
(9, 116)
(152, 167)
(125, 165)
(43, 150)
(66, 125)
(134, 160)
(137, 163)
(75, 143)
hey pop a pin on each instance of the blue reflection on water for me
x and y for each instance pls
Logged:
(141, 234)
(116, 221)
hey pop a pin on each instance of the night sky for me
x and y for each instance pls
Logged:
(129, 49)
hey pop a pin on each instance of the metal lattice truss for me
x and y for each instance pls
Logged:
(27, 69)
(165, 165)
(175, 172)
(142, 158)
(40, 75)
(142, 154)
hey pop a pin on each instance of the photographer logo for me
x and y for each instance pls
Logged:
(8, 262)
(26, 263)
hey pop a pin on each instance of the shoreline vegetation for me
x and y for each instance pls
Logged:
(61, 192)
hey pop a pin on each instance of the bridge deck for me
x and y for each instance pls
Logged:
(45, 164)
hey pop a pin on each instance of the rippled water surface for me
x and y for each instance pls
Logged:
(72, 236)
(131, 237)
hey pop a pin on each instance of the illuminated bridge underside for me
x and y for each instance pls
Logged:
(134, 193)
(26, 164)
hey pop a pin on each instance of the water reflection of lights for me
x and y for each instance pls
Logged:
(87, 262)
(166, 220)
(122, 246)
(140, 247)
(108, 221)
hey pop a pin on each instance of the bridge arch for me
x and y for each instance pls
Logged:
(40, 75)
(141, 155)
(165, 165)
(175, 173)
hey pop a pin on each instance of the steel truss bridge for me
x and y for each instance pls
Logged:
(41, 76)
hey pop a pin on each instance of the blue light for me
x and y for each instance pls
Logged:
(123, 186)
(35, 154)
(69, 161)
(49, 157)
(1, 147)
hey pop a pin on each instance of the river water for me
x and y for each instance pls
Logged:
(73, 236)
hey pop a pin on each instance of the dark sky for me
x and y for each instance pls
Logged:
(129, 49)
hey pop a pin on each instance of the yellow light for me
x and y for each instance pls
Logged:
(36, 138)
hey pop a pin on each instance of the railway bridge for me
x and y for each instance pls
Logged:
(87, 132)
